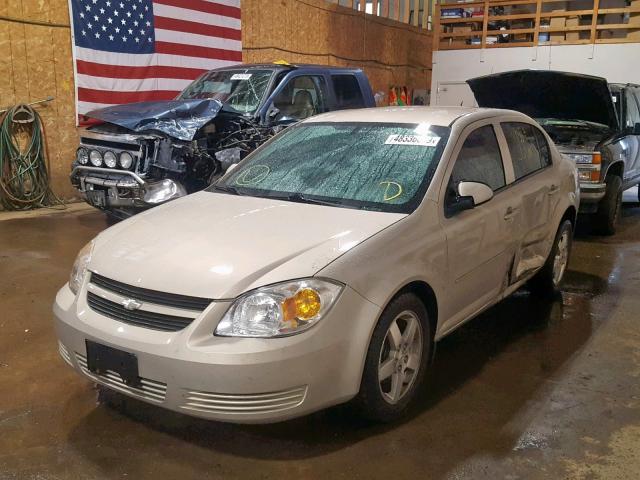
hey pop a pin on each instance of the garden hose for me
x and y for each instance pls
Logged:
(24, 178)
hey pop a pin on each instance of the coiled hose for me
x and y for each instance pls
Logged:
(24, 178)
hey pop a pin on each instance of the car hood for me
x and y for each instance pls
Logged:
(215, 245)
(180, 119)
(548, 94)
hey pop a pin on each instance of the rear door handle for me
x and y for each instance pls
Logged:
(511, 211)
(554, 189)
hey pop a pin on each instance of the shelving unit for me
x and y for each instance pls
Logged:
(525, 23)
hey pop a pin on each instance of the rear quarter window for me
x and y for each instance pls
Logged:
(347, 90)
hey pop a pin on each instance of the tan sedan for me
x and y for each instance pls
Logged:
(324, 267)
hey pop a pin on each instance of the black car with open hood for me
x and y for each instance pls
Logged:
(595, 123)
(139, 155)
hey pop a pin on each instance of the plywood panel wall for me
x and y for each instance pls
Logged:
(36, 59)
(316, 31)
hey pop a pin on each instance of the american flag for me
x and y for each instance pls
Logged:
(139, 50)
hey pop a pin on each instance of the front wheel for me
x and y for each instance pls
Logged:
(396, 360)
(550, 276)
(606, 219)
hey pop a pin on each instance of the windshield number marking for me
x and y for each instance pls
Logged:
(415, 140)
(241, 76)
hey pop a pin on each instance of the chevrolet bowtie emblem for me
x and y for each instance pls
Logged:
(131, 304)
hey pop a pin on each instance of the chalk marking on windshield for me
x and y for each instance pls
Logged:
(411, 139)
(253, 175)
(387, 197)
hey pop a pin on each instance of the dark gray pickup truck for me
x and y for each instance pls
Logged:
(144, 154)
(594, 123)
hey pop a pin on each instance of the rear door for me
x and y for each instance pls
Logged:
(632, 117)
(536, 191)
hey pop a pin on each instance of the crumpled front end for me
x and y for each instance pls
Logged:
(116, 171)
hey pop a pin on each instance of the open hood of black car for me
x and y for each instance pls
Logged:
(548, 94)
(180, 119)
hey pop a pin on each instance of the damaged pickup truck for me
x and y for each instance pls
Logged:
(595, 124)
(145, 154)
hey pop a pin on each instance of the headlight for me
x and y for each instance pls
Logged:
(585, 158)
(80, 267)
(96, 158)
(279, 310)
(110, 159)
(82, 156)
(126, 160)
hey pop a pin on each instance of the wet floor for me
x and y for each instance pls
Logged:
(531, 389)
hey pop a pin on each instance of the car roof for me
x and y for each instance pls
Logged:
(288, 66)
(443, 116)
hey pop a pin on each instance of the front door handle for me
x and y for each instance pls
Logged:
(509, 214)
(553, 189)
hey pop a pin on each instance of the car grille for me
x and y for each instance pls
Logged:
(151, 296)
(259, 403)
(139, 318)
(149, 389)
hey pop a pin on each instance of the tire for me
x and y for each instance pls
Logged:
(405, 360)
(548, 279)
(606, 218)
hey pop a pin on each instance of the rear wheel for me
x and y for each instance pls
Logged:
(548, 280)
(396, 360)
(606, 218)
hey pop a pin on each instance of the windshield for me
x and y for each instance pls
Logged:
(240, 90)
(373, 166)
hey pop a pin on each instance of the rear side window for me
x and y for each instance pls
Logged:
(633, 116)
(348, 94)
(479, 160)
(528, 147)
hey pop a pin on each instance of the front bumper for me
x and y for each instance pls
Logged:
(590, 196)
(242, 380)
(108, 188)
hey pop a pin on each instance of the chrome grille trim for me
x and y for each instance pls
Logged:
(151, 296)
(138, 318)
(259, 403)
(150, 390)
(64, 353)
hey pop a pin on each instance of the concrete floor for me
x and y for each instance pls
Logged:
(531, 389)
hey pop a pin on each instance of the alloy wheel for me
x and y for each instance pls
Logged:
(562, 257)
(400, 357)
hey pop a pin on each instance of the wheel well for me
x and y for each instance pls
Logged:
(616, 169)
(570, 214)
(425, 293)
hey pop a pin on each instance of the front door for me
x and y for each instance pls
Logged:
(479, 241)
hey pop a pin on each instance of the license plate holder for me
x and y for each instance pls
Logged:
(97, 198)
(101, 358)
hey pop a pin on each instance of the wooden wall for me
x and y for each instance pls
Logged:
(35, 63)
(36, 59)
(316, 31)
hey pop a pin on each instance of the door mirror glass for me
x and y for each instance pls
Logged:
(478, 192)
(636, 129)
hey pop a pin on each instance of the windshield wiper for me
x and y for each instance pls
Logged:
(227, 189)
(299, 197)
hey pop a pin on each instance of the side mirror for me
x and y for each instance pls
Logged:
(479, 192)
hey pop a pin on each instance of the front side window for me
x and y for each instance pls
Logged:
(633, 115)
(372, 166)
(348, 93)
(480, 160)
(528, 147)
(240, 90)
(302, 97)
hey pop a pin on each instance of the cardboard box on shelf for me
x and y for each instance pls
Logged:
(572, 22)
(461, 28)
(557, 22)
